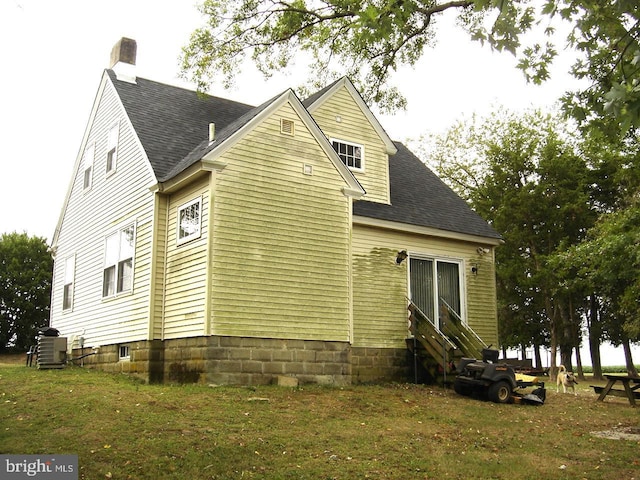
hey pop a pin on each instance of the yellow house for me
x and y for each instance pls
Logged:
(205, 240)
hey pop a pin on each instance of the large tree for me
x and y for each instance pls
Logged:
(608, 262)
(25, 289)
(369, 39)
(522, 173)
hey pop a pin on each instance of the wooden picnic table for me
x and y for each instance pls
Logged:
(630, 391)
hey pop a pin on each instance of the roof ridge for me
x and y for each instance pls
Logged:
(185, 89)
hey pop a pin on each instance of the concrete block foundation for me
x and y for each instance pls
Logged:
(224, 360)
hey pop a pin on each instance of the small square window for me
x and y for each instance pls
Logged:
(189, 221)
(123, 352)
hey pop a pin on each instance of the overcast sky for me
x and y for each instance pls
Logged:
(54, 53)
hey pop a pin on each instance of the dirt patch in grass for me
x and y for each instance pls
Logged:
(620, 433)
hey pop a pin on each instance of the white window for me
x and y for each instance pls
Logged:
(118, 262)
(69, 275)
(123, 352)
(112, 148)
(189, 221)
(87, 164)
(436, 281)
(351, 154)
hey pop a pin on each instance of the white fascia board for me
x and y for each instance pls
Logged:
(377, 126)
(83, 143)
(183, 178)
(430, 231)
(94, 110)
(353, 193)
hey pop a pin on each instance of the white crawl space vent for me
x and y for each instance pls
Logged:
(52, 350)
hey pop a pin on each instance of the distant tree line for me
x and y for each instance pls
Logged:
(26, 270)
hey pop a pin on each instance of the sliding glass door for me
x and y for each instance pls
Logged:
(434, 279)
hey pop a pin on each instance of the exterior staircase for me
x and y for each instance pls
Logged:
(437, 350)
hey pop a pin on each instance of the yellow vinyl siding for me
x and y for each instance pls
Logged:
(482, 308)
(281, 238)
(186, 267)
(380, 285)
(156, 301)
(114, 201)
(355, 127)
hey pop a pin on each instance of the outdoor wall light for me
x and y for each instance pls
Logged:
(402, 254)
(474, 269)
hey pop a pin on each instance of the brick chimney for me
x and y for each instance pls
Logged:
(123, 60)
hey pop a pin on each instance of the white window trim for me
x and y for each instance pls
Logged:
(353, 144)
(116, 265)
(113, 147)
(69, 261)
(198, 233)
(287, 127)
(88, 164)
(462, 282)
(127, 352)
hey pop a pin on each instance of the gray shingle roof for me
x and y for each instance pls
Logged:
(419, 197)
(206, 146)
(172, 121)
(172, 124)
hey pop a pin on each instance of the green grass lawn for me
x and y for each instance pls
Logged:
(123, 429)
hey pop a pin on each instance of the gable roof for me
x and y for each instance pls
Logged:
(316, 100)
(256, 116)
(172, 125)
(420, 198)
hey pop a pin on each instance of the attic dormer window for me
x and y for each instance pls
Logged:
(351, 154)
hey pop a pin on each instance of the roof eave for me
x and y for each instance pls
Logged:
(188, 175)
(423, 230)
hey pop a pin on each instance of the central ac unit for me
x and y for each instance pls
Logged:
(52, 352)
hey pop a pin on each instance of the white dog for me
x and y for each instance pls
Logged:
(566, 379)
